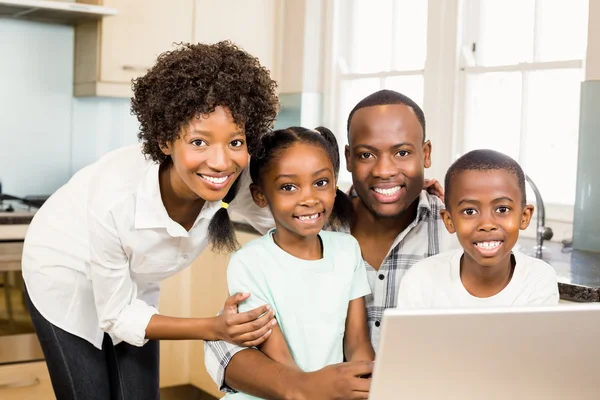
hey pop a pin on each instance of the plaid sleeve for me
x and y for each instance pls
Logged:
(217, 356)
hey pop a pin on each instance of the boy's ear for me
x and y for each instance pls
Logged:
(526, 216)
(258, 196)
(427, 154)
(448, 220)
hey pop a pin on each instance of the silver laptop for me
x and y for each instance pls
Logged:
(486, 354)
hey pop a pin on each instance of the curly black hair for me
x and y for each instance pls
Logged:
(273, 144)
(194, 79)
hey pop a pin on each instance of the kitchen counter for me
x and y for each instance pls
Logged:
(16, 217)
(578, 272)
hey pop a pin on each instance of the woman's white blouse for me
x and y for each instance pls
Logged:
(95, 253)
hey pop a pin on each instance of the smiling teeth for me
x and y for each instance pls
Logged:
(308, 217)
(213, 179)
(387, 192)
(488, 245)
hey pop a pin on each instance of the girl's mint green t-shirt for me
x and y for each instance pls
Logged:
(310, 298)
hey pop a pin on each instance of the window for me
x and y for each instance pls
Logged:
(377, 44)
(521, 67)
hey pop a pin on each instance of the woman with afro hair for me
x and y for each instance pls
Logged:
(96, 251)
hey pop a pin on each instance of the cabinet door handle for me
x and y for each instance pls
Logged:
(135, 68)
(21, 384)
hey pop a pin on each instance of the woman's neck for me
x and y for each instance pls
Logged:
(182, 207)
(486, 281)
(303, 247)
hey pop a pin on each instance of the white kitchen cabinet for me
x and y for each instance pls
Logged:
(111, 52)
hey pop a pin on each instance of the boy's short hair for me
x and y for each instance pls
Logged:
(484, 160)
(386, 97)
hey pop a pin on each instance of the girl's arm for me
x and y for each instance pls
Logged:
(357, 344)
(277, 349)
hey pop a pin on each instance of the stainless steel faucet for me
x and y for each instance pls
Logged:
(542, 232)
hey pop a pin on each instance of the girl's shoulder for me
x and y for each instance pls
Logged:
(339, 240)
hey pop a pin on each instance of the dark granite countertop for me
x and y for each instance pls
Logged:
(578, 272)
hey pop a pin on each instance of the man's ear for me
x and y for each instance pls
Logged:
(347, 155)
(448, 220)
(526, 216)
(258, 196)
(427, 154)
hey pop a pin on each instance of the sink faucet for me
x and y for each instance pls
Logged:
(542, 232)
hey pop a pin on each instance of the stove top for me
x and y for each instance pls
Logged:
(12, 204)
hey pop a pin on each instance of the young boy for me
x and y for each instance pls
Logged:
(486, 208)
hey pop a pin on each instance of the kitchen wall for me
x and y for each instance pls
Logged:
(45, 133)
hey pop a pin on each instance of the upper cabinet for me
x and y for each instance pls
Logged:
(109, 53)
(57, 12)
(252, 25)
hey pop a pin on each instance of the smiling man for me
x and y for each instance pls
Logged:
(396, 223)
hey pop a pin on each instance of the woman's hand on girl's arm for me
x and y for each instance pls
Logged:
(357, 344)
(247, 329)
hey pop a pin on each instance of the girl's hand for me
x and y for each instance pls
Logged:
(433, 187)
(245, 329)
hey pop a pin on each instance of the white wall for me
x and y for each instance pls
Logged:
(592, 66)
(46, 134)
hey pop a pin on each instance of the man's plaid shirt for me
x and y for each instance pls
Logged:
(424, 237)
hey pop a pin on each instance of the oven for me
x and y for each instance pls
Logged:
(18, 342)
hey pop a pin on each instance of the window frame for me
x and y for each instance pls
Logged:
(444, 77)
(561, 213)
(439, 77)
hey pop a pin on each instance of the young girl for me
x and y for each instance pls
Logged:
(95, 253)
(313, 279)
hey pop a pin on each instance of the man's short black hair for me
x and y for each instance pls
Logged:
(386, 97)
(484, 160)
